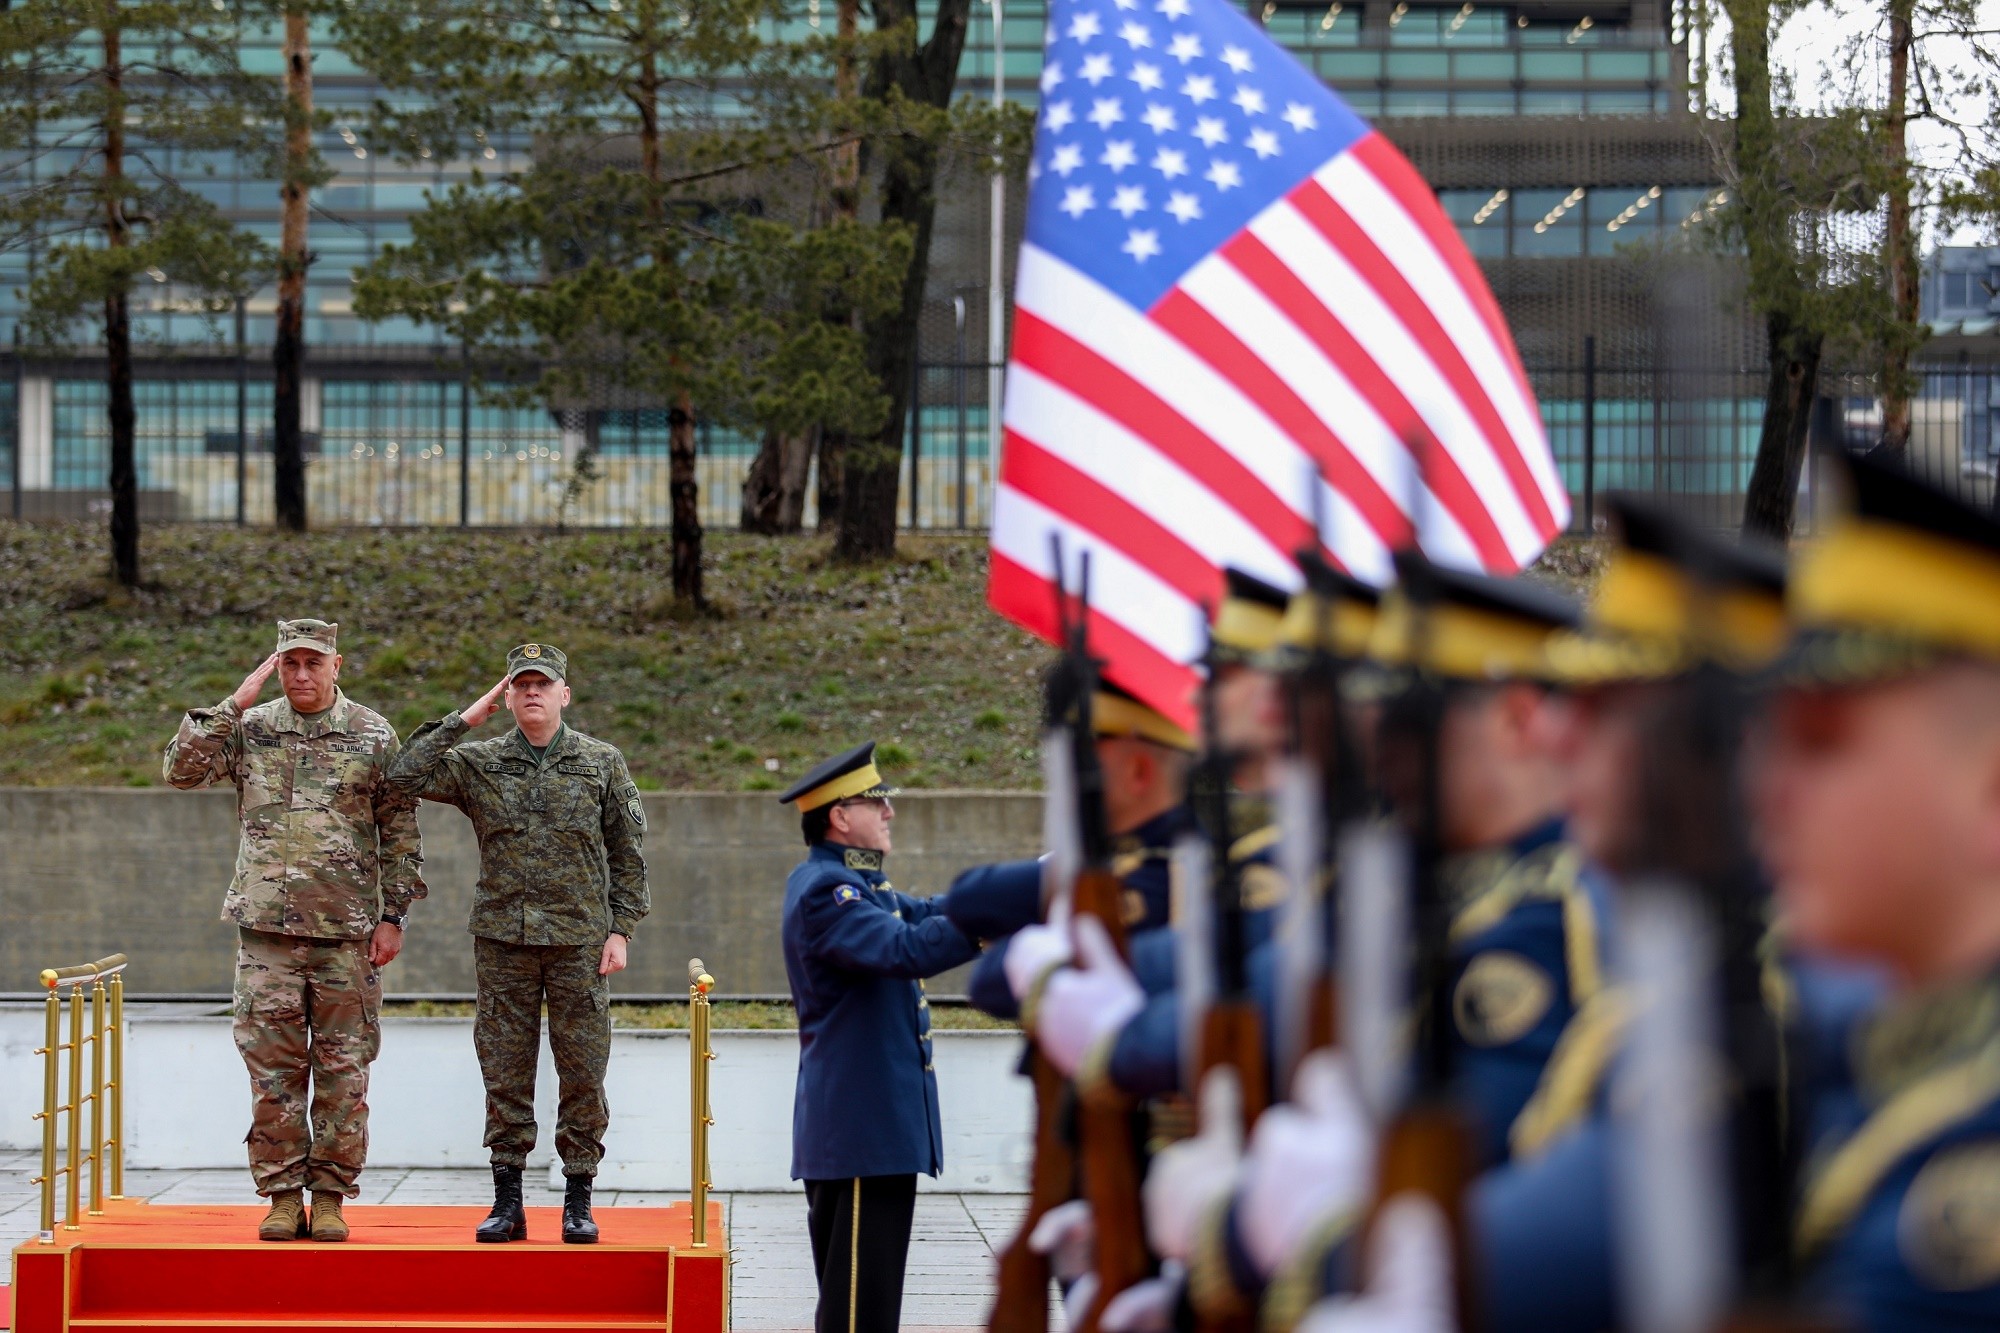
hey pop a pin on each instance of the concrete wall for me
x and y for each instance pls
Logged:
(86, 872)
(190, 1101)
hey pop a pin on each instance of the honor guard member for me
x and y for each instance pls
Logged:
(865, 1114)
(326, 871)
(1878, 804)
(562, 886)
(1144, 758)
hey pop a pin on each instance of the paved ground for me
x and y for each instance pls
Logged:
(951, 1254)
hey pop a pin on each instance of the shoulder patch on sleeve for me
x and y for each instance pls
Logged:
(846, 893)
(1500, 998)
(1264, 887)
(1949, 1226)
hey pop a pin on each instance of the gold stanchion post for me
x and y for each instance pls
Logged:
(700, 983)
(73, 1198)
(117, 1143)
(97, 1097)
(51, 1052)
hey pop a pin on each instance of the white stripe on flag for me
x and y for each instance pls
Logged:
(1069, 300)
(1121, 588)
(1324, 388)
(1381, 333)
(1073, 430)
(1377, 211)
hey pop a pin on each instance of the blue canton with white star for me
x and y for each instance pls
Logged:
(1165, 127)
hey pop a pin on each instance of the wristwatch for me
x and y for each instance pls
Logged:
(393, 919)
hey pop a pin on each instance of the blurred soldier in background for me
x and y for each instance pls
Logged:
(325, 875)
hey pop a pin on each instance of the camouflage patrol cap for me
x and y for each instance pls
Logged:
(542, 657)
(317, 635)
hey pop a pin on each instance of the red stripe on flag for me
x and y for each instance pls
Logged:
(1344, 234)
(1088, 503)
(1441, 472)
(1185, 318)
(1389, 167)
(1028, 599)
(1062, 360)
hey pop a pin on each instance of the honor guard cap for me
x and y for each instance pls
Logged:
(1334, 613)
(542, 657)
(1114, 713)
(1471, 627)
(317, 635)
(844, 777)
(1246, 623)
(1909, 576)
(1674, 594)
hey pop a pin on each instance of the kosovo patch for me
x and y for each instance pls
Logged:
(1264, 887)
(1500, 998)
(1949, 1226)
(846, 893)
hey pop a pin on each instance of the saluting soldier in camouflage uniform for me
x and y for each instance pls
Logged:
(323, 834)
(562, 886)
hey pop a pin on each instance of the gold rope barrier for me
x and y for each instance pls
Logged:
(104, 1028)
(699, 1118)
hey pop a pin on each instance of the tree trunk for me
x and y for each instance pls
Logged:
(1899, 250)
(288, 346)
(925, 74)
(774, 494)
(685, 497)
(1772, 498)
(832, 488)
(124, 479)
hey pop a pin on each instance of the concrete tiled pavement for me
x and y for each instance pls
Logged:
(951, 1251)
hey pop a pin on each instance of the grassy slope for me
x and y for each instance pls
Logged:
(800, 660)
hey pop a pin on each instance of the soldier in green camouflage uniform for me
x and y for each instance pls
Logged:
(323, 834)
(562, 886)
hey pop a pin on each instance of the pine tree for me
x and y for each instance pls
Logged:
(101, 95)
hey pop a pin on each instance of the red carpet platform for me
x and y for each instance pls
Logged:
(202, 1270)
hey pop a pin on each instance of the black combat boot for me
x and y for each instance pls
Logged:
(578, 1229)
(507, 1221)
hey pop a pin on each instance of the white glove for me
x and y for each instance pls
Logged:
(1033, 950)
(1309, 1159)
(1147, 1307)
(1067, 1234)
(1409, 1277)
(1082, 1004)
(1185, 1180)
(1082, 1294)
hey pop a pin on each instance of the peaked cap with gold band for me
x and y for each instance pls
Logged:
(1334, 613)
(1475, 628)
(1246, 624)
(1908, 577)
(1674, 594)
(1113, 712)
(844, 777)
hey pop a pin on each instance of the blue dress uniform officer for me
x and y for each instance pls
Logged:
(865, 1114)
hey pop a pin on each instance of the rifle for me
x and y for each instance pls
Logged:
(1108, 1164)
(1428, 1146)
(1322, 797)
(1715, 1179)
(1230, 1029)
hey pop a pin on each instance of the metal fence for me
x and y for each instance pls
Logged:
(428, 450)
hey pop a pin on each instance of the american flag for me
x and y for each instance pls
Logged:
(1234, 292)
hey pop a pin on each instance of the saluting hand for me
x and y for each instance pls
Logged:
(253, 684)
(488, 704)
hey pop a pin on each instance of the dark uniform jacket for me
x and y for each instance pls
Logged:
(559, 837)
(856, 952)
(1140, 859)
(1901, 1216)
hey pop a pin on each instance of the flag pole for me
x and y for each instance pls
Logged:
(996, 275)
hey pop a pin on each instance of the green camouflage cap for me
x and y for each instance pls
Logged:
(542, 657)
(317, 635)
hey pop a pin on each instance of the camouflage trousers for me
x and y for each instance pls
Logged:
(308, 1012)
(513, 981)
